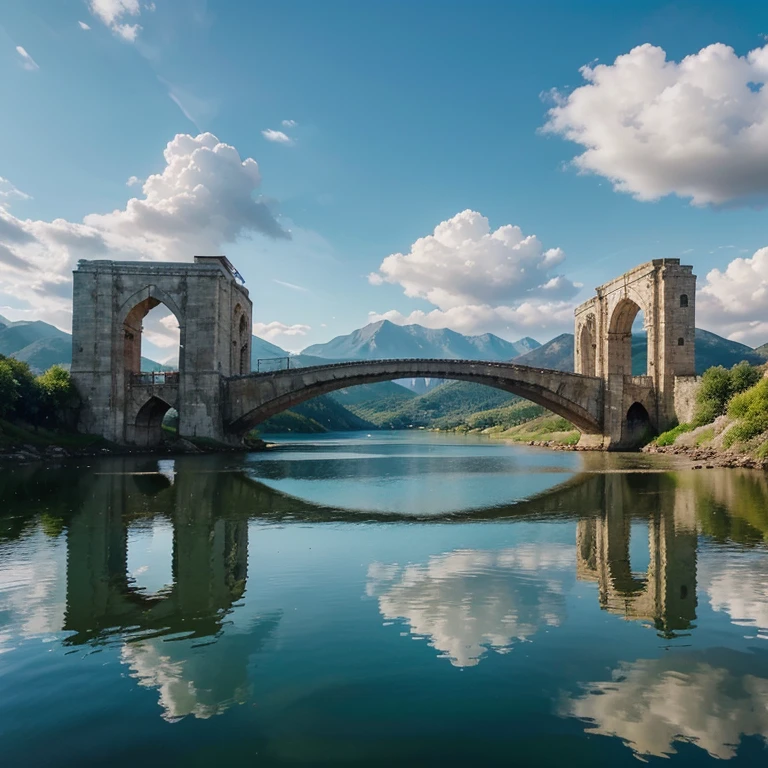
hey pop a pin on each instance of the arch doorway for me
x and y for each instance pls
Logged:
(147, 429)
(151, 338)
(628, 341)
(638, 428)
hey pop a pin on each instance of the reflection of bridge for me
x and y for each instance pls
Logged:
(218, 398)
(209, 503)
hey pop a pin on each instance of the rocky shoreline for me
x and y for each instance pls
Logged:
(27, 453)
(709, 458)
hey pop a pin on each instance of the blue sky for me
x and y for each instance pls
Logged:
(406, 114)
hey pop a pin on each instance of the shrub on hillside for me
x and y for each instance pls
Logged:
(718, 386)
(750, 408)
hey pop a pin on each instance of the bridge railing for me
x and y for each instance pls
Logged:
(272, 364)
(155, 378)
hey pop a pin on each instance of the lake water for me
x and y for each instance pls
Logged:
(394, 599)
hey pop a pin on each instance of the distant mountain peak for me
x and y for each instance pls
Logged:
(384, 339)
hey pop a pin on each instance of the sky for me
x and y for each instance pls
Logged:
(476, 166)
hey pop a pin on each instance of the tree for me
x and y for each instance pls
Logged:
(9, 388)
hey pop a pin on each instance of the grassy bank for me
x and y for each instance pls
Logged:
(731, 415)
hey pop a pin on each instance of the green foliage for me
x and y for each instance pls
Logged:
(669, 437)
(718, 386)
(705, 436)
(750, 409)
(39, 401)
(9, 388)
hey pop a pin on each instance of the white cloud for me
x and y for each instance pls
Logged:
(480, 279)
(469, 601)
(8, 191)
(653, 703)
(112, 14)
(735, 301)
(276, 136)
(27, 62)
(289, 123)
(133, 181)
(201, 199)
(292, 286)
(275, 330)
(697, 128)
(83, 25)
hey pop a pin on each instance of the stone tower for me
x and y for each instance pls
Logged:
(110, 300)
(665, 291)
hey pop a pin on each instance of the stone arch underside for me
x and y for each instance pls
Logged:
(253, 399)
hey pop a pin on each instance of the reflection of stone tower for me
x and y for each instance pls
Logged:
(666, 593)
(209, 559)
(209, 576)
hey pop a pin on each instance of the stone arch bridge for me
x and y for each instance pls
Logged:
(219, 399)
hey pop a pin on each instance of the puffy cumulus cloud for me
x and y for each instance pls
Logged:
(289, 123)
(277, 330)
(83, 25)
(27, 62)
(202, 199)
(278, 137)
(697, 128)
(735, 300)
(479, 278)
(653, 703)
(133, 181)
(469, 601)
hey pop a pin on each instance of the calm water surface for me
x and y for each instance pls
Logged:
(394, 599)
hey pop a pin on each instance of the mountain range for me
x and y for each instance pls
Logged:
(385, 340)
(711, 349)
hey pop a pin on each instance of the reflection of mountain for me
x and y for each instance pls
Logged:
(470, 600)
(710, 699)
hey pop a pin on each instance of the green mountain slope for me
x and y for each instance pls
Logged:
(321, 414)
(446, 405)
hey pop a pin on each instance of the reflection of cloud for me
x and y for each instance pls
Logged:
(737, 584)
(653, 703)
(32, 600)
(203, 680)
(468, 600)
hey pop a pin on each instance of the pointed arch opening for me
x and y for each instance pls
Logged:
(151, 338)
(628, 340)
(240, 362)
(587, 342)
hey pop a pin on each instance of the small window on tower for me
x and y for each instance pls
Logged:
(681, 342)
(684, 300)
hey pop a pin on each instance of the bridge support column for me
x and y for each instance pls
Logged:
(637, 402)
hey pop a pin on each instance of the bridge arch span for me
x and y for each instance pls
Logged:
(254, 398)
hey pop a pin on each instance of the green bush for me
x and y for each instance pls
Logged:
(669, 437)
(45, 400)
(750, 408)
(718, 386)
